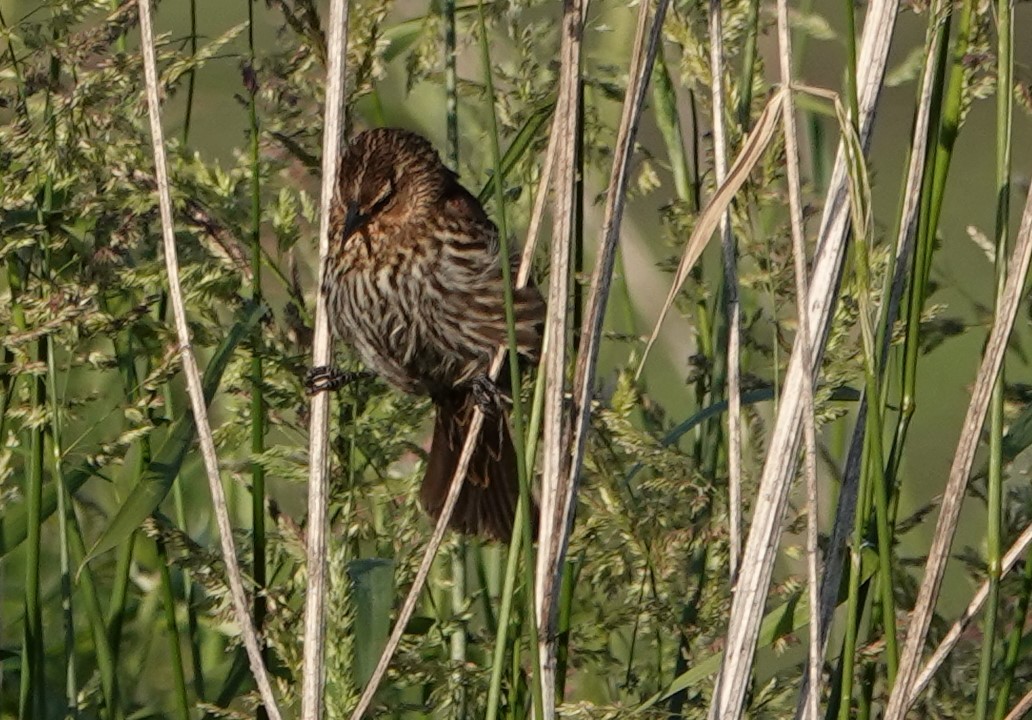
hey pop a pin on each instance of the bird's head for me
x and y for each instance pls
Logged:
(387, 176)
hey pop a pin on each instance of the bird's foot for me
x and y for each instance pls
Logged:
(486, 394)
(327, 378)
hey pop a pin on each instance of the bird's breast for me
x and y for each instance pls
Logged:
(382, 304)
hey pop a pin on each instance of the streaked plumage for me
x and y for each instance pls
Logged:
(415, 286)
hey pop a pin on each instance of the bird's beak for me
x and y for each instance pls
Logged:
(352, 220)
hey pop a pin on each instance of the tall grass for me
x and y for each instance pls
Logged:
(741, 516)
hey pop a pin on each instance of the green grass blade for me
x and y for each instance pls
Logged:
(669, 122)
(175, 652)
(373, 597)
(994, 495)
(519, 147)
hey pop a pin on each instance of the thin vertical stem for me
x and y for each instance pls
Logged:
(664, 101)
(257, 396)
(563, 626)
(175, 651)
(494, 691)
(516, 414)
(189, 363)
(856, 598)
(459, 599)
(745, 94)
(120, 587)
(932, 196)
(191, 75)
(101, 648)
(451, 87)
(577, 226)
(494, 688)
(63, 519)
(8, 381)
(924, 247)
(852, 96)
(732, 308)
(32, 695)
(313, 679)
(802, 293)
(1013, 654)
(192, 625)
(994, 495)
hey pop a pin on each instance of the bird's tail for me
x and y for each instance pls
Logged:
(487, 502)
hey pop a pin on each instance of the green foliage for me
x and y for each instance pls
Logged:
(84, 279)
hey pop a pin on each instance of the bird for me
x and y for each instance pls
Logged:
(414, 285)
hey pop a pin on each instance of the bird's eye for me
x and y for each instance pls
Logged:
(382, 197)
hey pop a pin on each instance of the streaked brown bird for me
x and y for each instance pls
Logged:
(414, 284)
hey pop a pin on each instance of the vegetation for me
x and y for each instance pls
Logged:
(114, 597)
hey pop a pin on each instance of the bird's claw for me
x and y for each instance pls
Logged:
(485, 394)
(327, 378)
